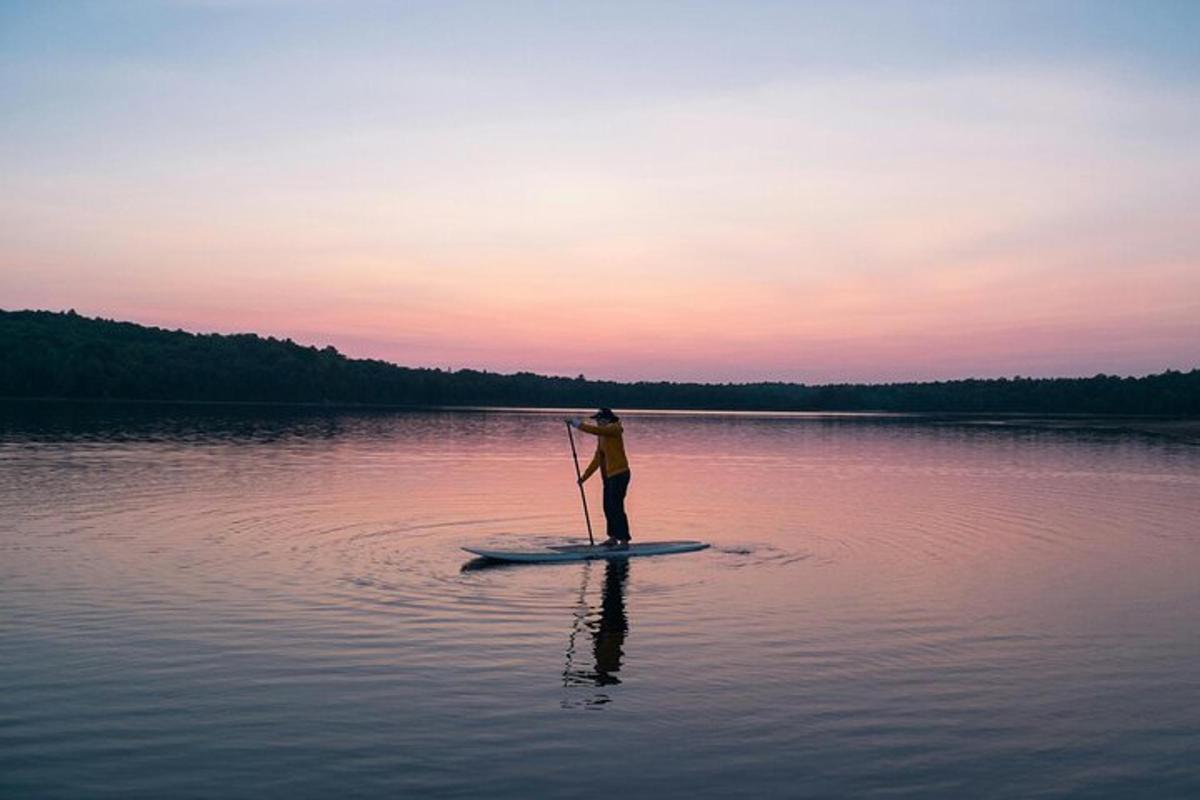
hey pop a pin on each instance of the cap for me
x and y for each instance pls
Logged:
(605, 413)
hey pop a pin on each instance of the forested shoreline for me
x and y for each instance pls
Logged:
(66, 355)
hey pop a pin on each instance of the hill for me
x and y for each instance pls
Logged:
(65, 355)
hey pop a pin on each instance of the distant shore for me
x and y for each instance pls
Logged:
(66, 355)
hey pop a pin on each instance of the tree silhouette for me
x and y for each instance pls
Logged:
(52, 354)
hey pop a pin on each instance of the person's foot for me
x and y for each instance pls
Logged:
(610, 542)
(620, 544)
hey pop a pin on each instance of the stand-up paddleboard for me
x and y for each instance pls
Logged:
(587, 552)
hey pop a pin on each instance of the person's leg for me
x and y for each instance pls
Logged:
(611, 508)
(621, 519)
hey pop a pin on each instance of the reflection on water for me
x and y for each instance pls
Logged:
(607, 630)
(247, 602)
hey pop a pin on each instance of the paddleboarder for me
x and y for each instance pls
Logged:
(613, 465)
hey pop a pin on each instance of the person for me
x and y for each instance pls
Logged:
(611, 461)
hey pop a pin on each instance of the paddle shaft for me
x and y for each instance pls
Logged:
(579, 480)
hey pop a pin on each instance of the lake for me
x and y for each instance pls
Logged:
(255, 602)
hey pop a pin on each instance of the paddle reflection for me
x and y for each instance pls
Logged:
(607, 626)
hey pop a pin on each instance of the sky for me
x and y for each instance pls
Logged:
(814, 192)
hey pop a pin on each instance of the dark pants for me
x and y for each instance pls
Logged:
(615, 488)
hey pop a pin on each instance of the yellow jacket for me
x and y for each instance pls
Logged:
(610, 449)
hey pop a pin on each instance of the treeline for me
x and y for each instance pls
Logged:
(50, 354)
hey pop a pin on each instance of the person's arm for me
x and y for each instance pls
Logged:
(592, 467)
(600, 430)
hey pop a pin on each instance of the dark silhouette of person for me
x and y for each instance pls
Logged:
(613, 464)
(608, 632)
(608, 638)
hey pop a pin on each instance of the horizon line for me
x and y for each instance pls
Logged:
(484, 370)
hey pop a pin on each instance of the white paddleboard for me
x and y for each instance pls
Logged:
(587, 552)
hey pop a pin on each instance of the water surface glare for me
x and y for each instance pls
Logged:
(256, 602)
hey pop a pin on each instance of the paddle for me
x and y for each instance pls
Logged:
(579, 481)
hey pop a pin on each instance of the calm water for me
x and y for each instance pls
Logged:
(256, 603)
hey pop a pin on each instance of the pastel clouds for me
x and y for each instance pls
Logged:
(835, 224)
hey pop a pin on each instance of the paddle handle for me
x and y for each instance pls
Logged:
(579, 482)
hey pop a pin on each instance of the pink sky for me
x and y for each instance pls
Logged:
(948, 216)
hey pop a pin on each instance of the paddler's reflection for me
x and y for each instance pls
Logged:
(608, 631)
(608, 638)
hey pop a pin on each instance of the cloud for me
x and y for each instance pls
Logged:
(837, 225)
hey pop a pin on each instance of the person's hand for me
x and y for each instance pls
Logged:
(574, 422)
